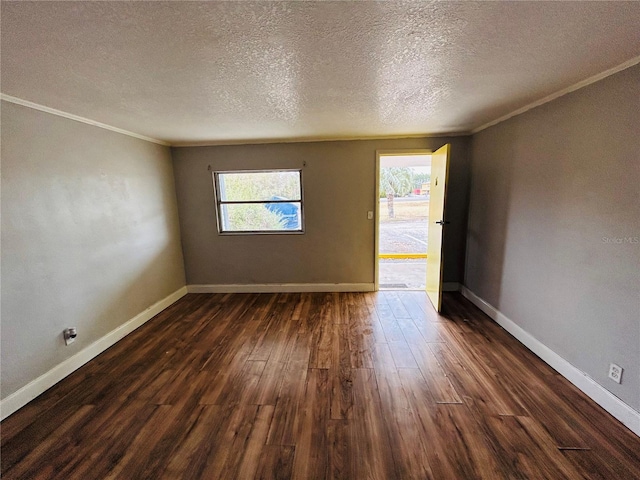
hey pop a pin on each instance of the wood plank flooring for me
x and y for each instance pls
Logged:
(314, 386)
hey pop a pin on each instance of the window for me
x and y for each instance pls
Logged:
(259, 201)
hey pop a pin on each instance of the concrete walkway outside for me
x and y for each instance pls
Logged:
(405, 233)
(402, 274)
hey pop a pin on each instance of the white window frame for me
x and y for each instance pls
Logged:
(219, 203)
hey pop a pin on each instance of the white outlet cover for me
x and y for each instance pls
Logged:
(370, 215)
(615, 373)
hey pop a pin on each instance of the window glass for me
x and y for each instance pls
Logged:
(259, 201)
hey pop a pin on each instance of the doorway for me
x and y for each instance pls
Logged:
(402, 222)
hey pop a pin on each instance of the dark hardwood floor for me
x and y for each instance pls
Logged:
(335, 385)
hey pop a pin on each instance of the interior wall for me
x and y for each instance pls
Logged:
(90, 236)
(339, 189)
(554, 227)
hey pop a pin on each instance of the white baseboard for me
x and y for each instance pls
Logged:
(450, 287)
(282, 288)
(34, 388)
(603, 397)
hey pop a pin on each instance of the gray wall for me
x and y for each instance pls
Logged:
(90, 236)
(339, 189)
(554, 226)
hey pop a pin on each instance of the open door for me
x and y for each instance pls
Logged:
(439, 174)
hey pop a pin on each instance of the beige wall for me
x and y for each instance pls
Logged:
(90, 236)
(339, 189)
(554, 226)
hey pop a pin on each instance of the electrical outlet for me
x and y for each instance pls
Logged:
(69, 335)
(615, 373)
(369, 215)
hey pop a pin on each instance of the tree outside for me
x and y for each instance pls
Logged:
(395, 181)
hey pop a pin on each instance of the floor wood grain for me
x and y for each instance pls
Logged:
(316, 386)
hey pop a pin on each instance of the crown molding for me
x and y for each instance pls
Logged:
(560, 93)
(77, 118)
(212, 143)
(218, 143)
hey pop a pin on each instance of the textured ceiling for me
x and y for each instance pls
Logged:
(188, 72)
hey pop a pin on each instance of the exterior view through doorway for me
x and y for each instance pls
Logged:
(402, 219)
(410, 221)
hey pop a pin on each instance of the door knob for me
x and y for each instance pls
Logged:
(442, 222)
